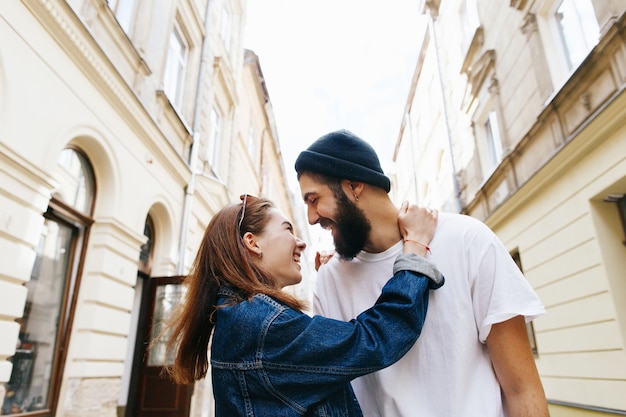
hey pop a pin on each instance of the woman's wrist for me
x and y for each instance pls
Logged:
(415, 246)
(420, 265)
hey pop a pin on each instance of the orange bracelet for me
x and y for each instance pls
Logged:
(419, 243)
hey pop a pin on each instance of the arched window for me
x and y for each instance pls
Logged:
(46, 323)
(76, 184)
(145, 255)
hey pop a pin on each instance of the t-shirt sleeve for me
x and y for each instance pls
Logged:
(500, 290)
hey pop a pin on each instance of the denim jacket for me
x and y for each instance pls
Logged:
(269, 360)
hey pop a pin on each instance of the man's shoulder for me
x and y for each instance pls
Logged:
(462, 232)
(459, 223)
(450, 217)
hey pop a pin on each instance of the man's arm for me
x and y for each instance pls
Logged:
(516, 370)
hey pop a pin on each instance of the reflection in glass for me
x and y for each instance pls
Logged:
(168, 297)
(29, 386)
(145, 254)
(579, 29)
(123, 10)
(76, 187)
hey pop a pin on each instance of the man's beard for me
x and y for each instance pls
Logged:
(351, 227)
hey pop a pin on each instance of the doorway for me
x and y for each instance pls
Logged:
(152, 393)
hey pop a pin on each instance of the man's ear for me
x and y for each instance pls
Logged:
(251, 243)
(353, 188)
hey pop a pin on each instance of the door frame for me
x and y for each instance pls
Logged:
(142, 341)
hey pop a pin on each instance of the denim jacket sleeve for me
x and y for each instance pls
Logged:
(306, 358)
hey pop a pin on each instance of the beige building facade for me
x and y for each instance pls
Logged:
(516, 116)
(124, 126)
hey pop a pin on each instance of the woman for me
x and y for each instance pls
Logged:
(268, 358)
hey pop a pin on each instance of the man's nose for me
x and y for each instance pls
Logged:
(312, 215)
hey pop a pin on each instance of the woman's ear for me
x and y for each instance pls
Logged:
(251, 243)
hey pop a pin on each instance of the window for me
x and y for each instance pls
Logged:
(530, 330)
(45, 324)
(168, 297)
(493, 142)
(76, 187)
(578, 29)
(124, 11)
(251, 141)
(621, 205)
(225, 27)
(468, 15)
(145, 255)
(569, 30)
(29, 388)
(488, 139)
(214, 139)
(620, 202)
(174, 78)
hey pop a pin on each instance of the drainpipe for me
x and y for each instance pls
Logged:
(412, 141)
(193, 154)
(455, 181)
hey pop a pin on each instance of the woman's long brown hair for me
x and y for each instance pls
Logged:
(222, 259)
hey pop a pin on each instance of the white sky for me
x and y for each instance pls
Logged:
(333, 64)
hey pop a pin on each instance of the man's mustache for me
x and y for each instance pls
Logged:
(326, 223)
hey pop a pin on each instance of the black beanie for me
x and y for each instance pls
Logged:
(342, 154)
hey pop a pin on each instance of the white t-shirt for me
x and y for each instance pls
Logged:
(448, 372)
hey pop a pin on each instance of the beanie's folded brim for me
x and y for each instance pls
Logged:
(339, 168)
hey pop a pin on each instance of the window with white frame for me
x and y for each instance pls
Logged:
(621, 205)
(620, 202)
(569, 30)
(214, 138)
(225, 27)
(493, 141)
(124, 11)
(175, 68)
(468, 15)
(251, 141)
(488, 140)
(578, 28)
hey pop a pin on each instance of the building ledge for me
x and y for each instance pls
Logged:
(597, 84)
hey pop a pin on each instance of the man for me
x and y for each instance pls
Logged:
(473, 358)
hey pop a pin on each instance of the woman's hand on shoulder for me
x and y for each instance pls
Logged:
(417, 226)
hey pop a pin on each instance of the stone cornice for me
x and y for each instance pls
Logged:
(593, 96)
